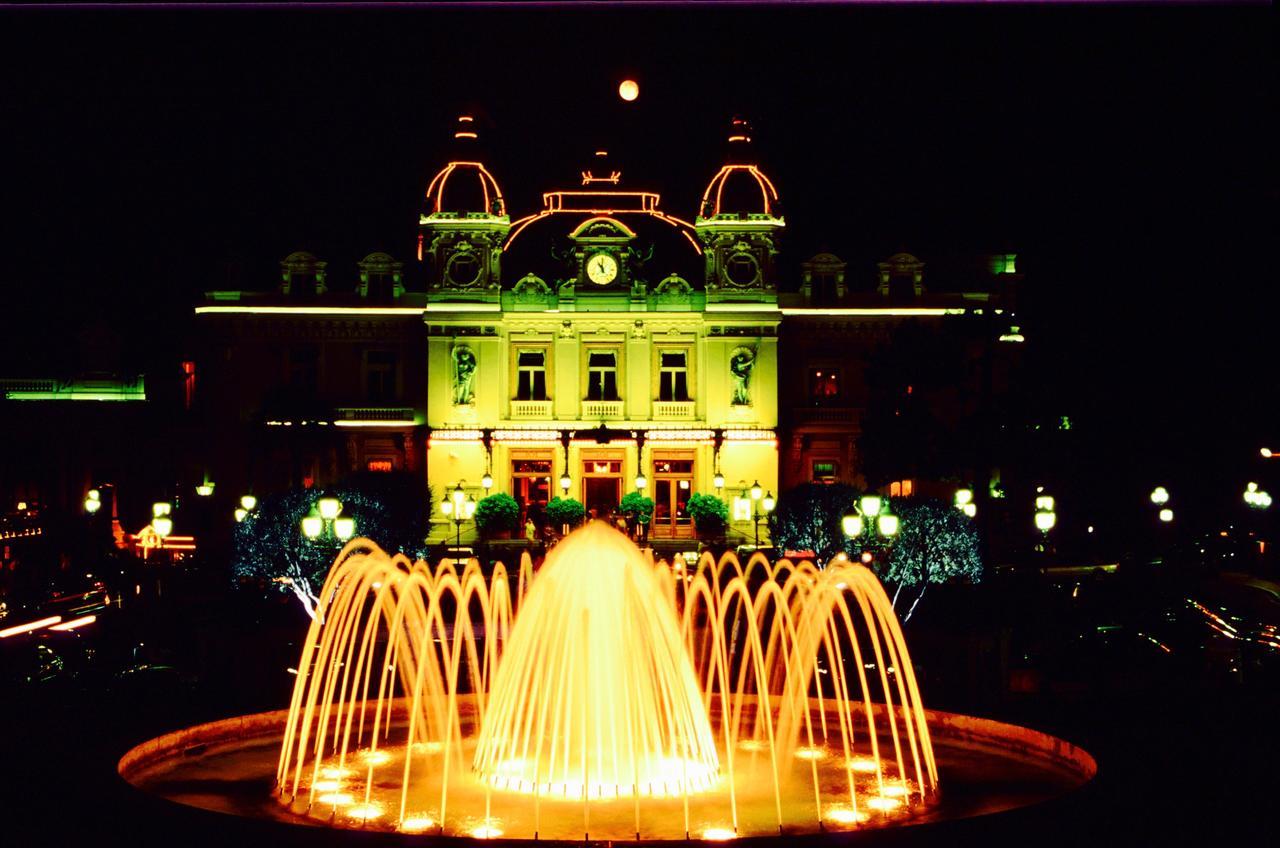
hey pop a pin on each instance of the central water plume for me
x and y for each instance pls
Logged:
(595, 695)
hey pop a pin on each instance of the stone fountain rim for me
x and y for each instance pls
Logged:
(1002, 738)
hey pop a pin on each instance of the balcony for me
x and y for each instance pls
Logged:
(530, 409)
(601, 410)
(844, 415)
(374, 413)
(672, 410)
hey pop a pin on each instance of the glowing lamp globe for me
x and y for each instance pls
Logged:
(1159, 495)
(330, 508)
(312, 525)
(1045, 503)
(248, 502)
(641, 481)
(887, 524)
(160, 508)
(756, 491)
(204, 490)
(629, 90)
(486, 482)
(446, 507)
(768, 503)
(469, 508)
(344, 528)
(969, 509)
(963, 497)
(92, 505)
(851, 524)
(565, 482)
(1166, 515)
(718, 480)
(1045, 521)
(162, 525)
(870, 504)
(240, 513)
(94, 495)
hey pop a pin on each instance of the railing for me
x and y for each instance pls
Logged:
(373, 413)
(531, 409)
(832, 414)
(597, 410)
(672, 410)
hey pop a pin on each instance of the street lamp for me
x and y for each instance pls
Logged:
(460, 508)
(854, 522)
(760, 507)
(93, 501)
(565, 482)
(163, 525)
(1166, 515)
(1255, 497)
(641, 481)
(718, 482)
(248, 502)
(486, 482)
(329, 515)
(1159, 496)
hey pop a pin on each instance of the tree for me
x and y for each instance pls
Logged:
(497, 513)
(637, 507)
(562, 511)
(936, 543)
(709, 513)
(270, 550)
(807, 518)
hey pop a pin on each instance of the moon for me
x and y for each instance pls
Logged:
(629, 90)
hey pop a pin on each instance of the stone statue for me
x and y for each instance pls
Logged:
(464, 372)
(740, 366)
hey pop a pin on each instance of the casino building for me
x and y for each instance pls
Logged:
(599, 343)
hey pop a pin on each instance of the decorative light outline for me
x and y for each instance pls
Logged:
(310, 310)
(767, 191)
(437, 183)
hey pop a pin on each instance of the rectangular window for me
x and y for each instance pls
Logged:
(602, 375)
(189, 384)
(380, 376)
(825, 471)
(531, 375)
(824, 386)
(673, 375)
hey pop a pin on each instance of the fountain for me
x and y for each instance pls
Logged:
(604, 697)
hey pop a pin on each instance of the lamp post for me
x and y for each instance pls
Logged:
(761, 505)
(328, 516)
(460, 508)
(869, 515)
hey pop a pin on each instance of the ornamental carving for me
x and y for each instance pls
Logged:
(464, 373)
(742, 363)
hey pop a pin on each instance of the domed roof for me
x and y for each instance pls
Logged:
(740, 187)
(462, 187)
(737, 189)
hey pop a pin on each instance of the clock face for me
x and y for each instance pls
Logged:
(602, 268)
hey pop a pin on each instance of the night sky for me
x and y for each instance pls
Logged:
(1121, 152)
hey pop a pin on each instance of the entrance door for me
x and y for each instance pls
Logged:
(601, 485)
(531, 487)
(672, 486)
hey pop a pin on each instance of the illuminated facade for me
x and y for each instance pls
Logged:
(595, 345)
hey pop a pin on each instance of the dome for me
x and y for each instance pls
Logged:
(738, 190)
(464, 187)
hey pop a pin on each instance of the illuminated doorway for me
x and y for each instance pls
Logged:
(602, 483)
(672, 486)
(531, 485)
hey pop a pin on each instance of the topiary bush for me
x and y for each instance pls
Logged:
(709, 513)
(637, 507)
(561, 511)
(498, 513)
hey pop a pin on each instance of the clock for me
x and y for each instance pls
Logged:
(602, 268)
(742, 270)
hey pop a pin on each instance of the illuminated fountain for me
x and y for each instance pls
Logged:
(605, 697)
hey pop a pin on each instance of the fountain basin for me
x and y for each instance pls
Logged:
(229, 766)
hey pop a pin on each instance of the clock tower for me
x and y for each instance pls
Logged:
(463, 224)
(739, 224)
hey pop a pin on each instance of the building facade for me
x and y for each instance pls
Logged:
(599, 344)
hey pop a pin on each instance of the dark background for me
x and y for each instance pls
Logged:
(151, 155)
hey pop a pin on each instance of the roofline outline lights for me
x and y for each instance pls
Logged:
(885, 311)
(768, 193)
(436, 186)
(310, 310)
